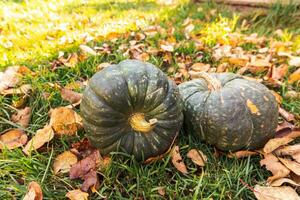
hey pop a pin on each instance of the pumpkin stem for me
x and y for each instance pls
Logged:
(213, 83)
(138, 123)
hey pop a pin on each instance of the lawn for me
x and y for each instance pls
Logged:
(34, 33)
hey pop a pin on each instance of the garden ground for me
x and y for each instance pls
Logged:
(173, 35)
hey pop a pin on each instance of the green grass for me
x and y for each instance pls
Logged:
(125, 178)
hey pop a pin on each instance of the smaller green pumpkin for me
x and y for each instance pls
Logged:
(228, 111)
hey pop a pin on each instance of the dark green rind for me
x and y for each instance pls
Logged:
(118, 91)
(222, 118)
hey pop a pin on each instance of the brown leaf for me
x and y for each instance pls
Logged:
(197, 156)
(65, 121)
(283, 129)
(41, 137)
(71, 96)
(242, 154)
(91, 180)
(281, 181)
(9, 78)
(286, 115)
(278, 73)
(288, 150)
(275, 193)
(272, 164)
(274, 143)
(292, 165)
(238, 61)
(22, 117)
(85, 165)
(161, 191)
(34, 192)
(167, 47)
(200, 67)
(63, 162)
(77, 195)
(295, 76)
(296, 157)
(12, 139)
(293, 134)
(87, 50)
(177, 160)
(294, 61)
(23, 89)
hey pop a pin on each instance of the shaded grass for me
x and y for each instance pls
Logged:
(126, 178)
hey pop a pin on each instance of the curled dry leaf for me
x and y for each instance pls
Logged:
(71, 61)
(296, 157)
(65, 121)
(177, 160)
(197, 156)
(292, 165)
(77, 195)
(274, 143)
(200, 67)
(63, 162)
(288, 150)
(23, 89)
(34, 192)
(281, 181)
(12, 139)
(283, 129)
(242, 154)
(81, 168)
(41, 137)
(293, 134)
(87, 50)
(22, 117)
(275, 193)
(286, 115)
(91, 180)
(272, 164)
(71, 96)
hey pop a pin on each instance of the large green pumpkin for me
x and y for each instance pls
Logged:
(132, 107)
(228, 111)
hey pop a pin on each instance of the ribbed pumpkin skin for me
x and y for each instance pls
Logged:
(223, 118)
(117, 92)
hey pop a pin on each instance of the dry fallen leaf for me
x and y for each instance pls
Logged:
(288, 150)
(200, 67)
(64, 121)
(275, 193)
(295, 76)
(281, 181)
(177, 160)
(12, 139)
(277, 97)
(197, 156)
(294, 61)
(161, 191)
(167, 47)
(77, 195)
(274, 143)
(293, 134)
(9, 78)
(34, 192)
(283, 129)
(23, 89)
(242, 154)
(41, 137)
(296, 157)
(87, 50)
(292, 165)
(63, 162)
(71, 96)
(22, 117)
(286, 115)
(84, 166)
(91, 180)
(272, 164)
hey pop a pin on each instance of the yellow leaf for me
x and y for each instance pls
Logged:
(274, 143)
(34, 192)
